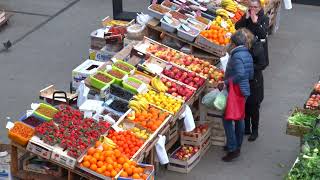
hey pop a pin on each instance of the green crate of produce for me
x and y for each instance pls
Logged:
(98, 83)
(43, 116)
(129, 87)
(122, 63)
(117, 79)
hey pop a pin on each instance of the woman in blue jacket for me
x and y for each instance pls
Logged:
(240, 71)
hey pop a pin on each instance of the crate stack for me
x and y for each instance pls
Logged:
(195, 139)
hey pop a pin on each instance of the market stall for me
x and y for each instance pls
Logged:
(133, 105)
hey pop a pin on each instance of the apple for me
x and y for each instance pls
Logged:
(174, 90)
(173, 84)
(164, 80)
(168, 84)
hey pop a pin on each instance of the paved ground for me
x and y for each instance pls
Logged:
(51, 38)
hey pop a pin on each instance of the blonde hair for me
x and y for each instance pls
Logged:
(249, 37)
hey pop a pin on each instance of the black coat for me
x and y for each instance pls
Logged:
(260, 60)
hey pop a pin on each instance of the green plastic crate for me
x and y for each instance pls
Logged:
(117, 80)
(130, 88)
(100, 84)
(46, 118)
(125, 63)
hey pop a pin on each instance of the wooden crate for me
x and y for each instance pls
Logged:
(295, 130)
(205, 147)
(205, 43)
(197, 139)
(183, 166)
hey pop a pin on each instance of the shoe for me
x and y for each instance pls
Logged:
(231, 156)
(253, 137)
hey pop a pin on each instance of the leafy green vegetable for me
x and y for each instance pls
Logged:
(302, 119)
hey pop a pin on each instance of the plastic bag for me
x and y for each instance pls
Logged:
(83, 92)
(143, 19)
(287, 4)
(224, 61)
(161, 150)
(221, 100)
(208, 99)
(189, 124)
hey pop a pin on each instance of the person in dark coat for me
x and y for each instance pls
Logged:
(257, 23)
(240, 71)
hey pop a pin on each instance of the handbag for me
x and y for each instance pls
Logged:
(235, 108)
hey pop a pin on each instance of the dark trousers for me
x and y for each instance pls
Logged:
(252, 117)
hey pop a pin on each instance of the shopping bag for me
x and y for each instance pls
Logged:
(235, 109)
(161, 150)
(209, 98)
(221, 100)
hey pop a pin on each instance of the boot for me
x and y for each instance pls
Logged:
(253, 136)
(231, 156)
(247, 130)
(225, 148)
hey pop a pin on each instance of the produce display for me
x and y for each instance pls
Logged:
(189, 78)
(134, 84)
(73, 133)
(197, 65)
(173, 22)
(223, 23)
(202, 19)
(200, 130)
(170, 5)
(139, 105)
(142, 78)
(116, 73)
(143, 134)
(158, 85)
(119, 105)
(238, 15)
(191, 30)
(32, 121)
(177, 15)
(316, 87)
(48, 112)
(22, 130)
(127, 142)
(229, 5)
(150, 119)
(117, 23)
(307, 165)
(313, 101)
(102, 77)
(159, 8)
(160, 100)
(185, 152)
(306, 119)
(177, 90)
(123, 66)
(216, 35)
(118, 91)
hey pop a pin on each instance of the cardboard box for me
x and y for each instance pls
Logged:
(101, 55)
(38, 147)
(61, 157)
(84, 70)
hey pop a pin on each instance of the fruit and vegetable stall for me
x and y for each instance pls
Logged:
(304, 123)
(136, 102)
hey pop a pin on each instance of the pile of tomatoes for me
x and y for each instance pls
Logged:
(128, 143)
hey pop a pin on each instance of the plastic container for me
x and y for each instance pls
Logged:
(129, 87)
(169, 27)
(118, 80)
(126, 64)
(136, 32)
(44, 117)
(198, 25)
(156, 14)
(17, 137)
(98, 83)
(24, 117)
(188, 36)
(173, 6)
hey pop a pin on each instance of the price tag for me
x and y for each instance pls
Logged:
(154, 1)
(230, 14)
(224, 24)
(167, 19)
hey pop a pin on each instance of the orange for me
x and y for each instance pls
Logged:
(129, 171)
(93, 167)
(86, 158)
(109, 160)
(98, 143)
(117, 169)
(93, 160)
(96, 155)
(136, 176)
(104, 168)
(105, 147)
(91, 151)
(109, 167)
(121, 160)
(101, 158)
(144, 176)
(117, 153)
(107, 173)
(126, 165)
(86, 164)
(140, 170)
(133, 163)
(99, 164)
(99, 170)
(135, 170)
(124, 174)
(99, 151)
(113, 173)
(108, 153)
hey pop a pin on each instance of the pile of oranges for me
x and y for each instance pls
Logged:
(151, 119)
(217, 35)
(128, 143)
(109, 162)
